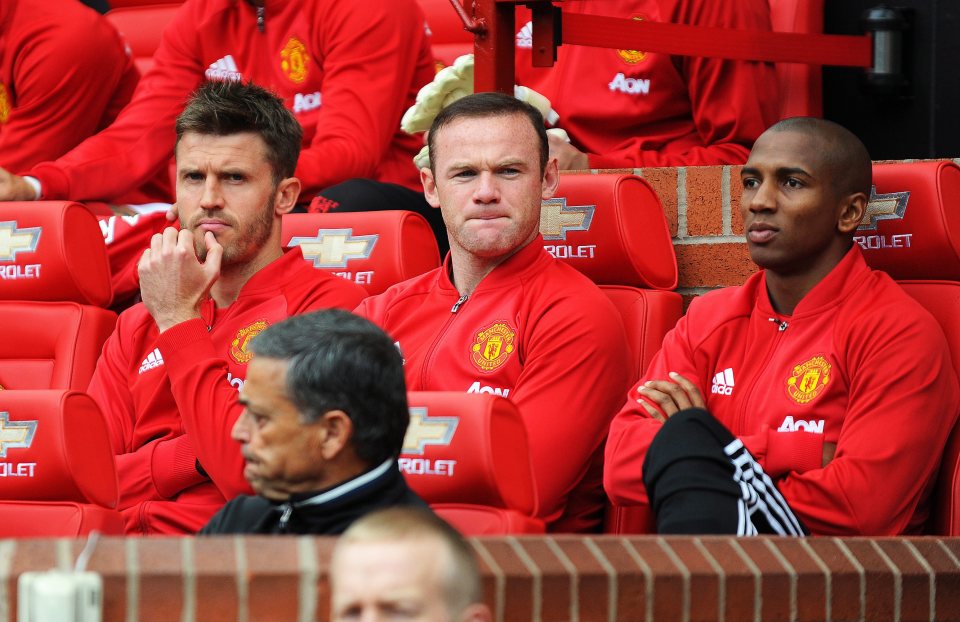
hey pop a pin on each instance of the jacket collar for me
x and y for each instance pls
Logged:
(826, 294)
(531, 257)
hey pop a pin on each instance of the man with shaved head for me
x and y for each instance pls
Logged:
(815, 398)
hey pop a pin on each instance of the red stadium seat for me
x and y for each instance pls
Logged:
(448, 39)
(141, 24)
(467, 456)
(801, 89)
(912, 231)
(374, 249)
(59, 477)
(612, 228)
(54, 281)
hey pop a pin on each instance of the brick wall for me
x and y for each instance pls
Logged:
(531, 578)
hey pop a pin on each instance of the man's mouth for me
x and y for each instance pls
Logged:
(761, 233)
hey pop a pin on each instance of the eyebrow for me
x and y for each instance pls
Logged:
(783, 171)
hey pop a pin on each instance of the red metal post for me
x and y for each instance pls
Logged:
(493, 49)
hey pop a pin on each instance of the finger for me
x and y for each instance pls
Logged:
(658, 393)
(693, 393)
(185, 242)
(653, 411)
(676, 392)
(173, 212)
(170, 237)
(156, 244)
(214, 255)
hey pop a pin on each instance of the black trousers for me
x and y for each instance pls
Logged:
(700, 479)
(367, 195)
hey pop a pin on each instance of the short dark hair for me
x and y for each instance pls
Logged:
(339, 361)
(482, 105)
(844, 155)
(222, 108)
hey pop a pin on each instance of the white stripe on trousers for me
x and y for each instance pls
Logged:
(758, 494)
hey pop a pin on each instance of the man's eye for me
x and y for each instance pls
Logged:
(465, 174)
(193, 177)
(750, 182)
(510, 172)
(792, 182)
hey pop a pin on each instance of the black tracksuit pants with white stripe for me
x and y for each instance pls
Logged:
(700, 479)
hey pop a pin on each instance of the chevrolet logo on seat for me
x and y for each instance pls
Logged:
(557, 218)
(333, 248)
(890, 206)
(15, 434)
(14, 240)
(425, 430)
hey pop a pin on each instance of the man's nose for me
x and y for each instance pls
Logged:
(240, 432)
(487, 190)
(763, 197)
(212, 197)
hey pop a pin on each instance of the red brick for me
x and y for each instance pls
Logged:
(775, 583)
(519, 592)
(489, 577)
(670, 590)
(593, 581)
(704, 203)
(273, 571)
(736, 194)
(160, 588)
(555, 597)
(109, 558)
(215, 564)
(880, 584)
(915, 579)
(947, 576)
(845, 579)
(704, 580)
(713, 265)
(740, 590)
(632, 581)
(811, 582)
(664, 182)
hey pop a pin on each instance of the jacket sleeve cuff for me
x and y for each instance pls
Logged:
(53, 182)
(183, 336)
(793, 451)
(174, 466)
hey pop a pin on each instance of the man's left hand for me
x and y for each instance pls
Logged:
(569, 158)
(671, 396)
(173, 282)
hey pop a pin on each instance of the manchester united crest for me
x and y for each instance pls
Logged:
(632, 57)
(294, 60)
(492, 346)
(809, 379)
(239, 347)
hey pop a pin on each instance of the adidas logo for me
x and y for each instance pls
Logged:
(224, 69)
(152, 361)
(525, 36)
(723, 382)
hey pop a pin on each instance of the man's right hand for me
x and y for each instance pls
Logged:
(15, 188)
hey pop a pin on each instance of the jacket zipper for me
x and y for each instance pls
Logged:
(436, 343)
(782, 326)
(261, 18)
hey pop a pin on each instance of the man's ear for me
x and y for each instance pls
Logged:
(429, 187)
(551, 179)
(288, 191)
(336, 431)
(852, 211)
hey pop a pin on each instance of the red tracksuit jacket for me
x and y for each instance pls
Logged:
(630, 108)
(170, 399)
(562, 360)
(348, 69)
(859, 364)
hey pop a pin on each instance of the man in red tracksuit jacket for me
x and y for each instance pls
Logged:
(817, 397)
(630, 108)
(347, 69)
(49, 102)
(501, 315)
(168, 377)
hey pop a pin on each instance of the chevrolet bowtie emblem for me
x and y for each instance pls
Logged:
(15, 434)
(14, 240)
(890, 206)
(333, 248)
(425, 430)
(557, 218)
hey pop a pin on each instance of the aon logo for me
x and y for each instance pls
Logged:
(476, 387)
(789, 425)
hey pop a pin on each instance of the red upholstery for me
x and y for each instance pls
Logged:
(448, 39)
(801, 88)
(141, 24)
(914, 234)
(47, 344)
(374, 249)
(58, 465)
(467, 456)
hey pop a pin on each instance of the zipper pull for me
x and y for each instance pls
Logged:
(285, 517)
(781, 324)
(459, 303)
(261, 20)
